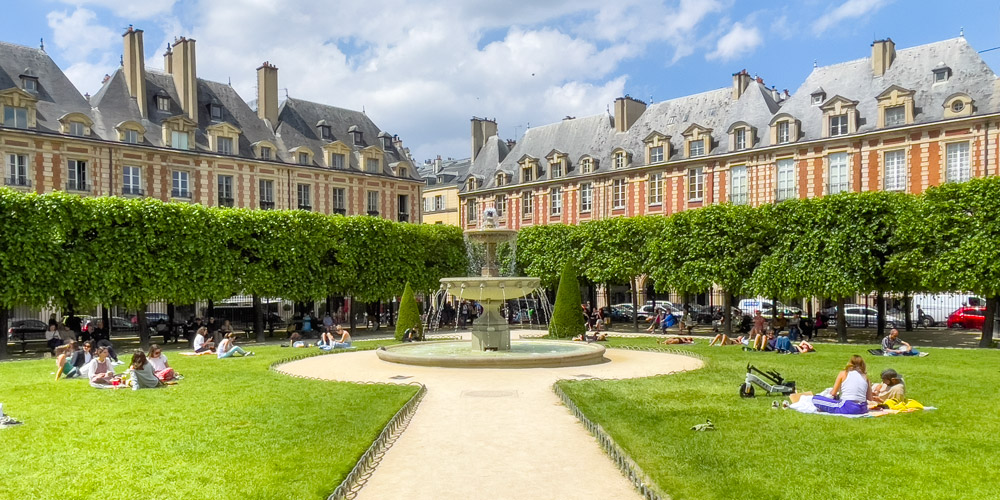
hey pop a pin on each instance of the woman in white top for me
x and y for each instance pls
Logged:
(228, 349)
(200, 343)
(851, 389)
(101, 369)
(158, 361)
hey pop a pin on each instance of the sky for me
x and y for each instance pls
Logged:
(422, 69)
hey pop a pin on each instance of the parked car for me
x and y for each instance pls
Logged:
(647, 312)
(703, 315)
(23, 329)
(967, 317)
(619, 314)
(855, 316)
(749, 306)
(938, 306)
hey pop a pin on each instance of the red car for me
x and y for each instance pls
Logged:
(967, 317)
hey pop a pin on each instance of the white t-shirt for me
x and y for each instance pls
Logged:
(854, 387)
(159, 364)
(224, 345)
(199, 341)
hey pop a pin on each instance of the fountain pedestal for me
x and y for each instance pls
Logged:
(490, 331)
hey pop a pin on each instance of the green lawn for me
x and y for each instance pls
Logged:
(232, 429)
(758, 453)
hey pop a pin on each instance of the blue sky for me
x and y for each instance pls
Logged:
(422, 69)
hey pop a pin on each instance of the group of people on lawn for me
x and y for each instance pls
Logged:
(770, 337)
(328, 337)
(95, 363)
(853, 394)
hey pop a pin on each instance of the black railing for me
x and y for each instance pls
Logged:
(340, 211)
(226, 202)
(76, 186)
(403, 217)
(132, 191)
(179, 193)
(267, 205)
(373, 213)
(17, 180)
(305, 207)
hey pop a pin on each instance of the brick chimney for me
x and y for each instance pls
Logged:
(627, 111)
(180, 62)
(741, 81)
(134, 68)
(482, 130)
(267, 93)
(883, 54)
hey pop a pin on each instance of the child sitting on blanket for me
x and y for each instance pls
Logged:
(891, 387)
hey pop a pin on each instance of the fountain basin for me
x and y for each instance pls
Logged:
(491, 288)
(522, 354)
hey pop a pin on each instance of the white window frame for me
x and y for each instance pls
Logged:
(784, 132)
(587, 165)
(180, 184)
(162, 103)
(224, 145)
(131, 136)
(555, 201)
(17, 169)
(619, 160)
(438, 202)
(699, 151)
(265, 190)
(899, 114)
(785, 174)
(740, 139)
(78, 175)
(225, 187)
(654, 186)
(265, 152)
(178, 139)
(372, 165)
(838, 169)
(131, 180)
(303, 158)
(77, 129)
(15, 117)
(556, 169)
(655, 154)
(696, 183)
(339, 199)
(957, 167)
(527, 173)
(739, 188)
(500, 204)
(895, 170)
(839, 125)
(471, 211)
(617, 194)
(372, 202)
(586, 197)
(527, 205)
(304, 196)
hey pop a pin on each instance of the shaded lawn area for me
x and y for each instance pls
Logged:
(232, 429)
(758, 452)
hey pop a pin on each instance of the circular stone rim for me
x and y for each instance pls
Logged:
(587, 354)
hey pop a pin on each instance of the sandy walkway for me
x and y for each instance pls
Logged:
(492, 434)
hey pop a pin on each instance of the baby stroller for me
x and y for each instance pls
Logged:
(770, 381)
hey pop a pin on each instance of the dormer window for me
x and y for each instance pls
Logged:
(697, 148)
(356, 134)
(838, 125)
(841, 116)
(527, 173)
(500, 179)
(386, 140)
(130, 132)
(162, 103)
(894, 116)
(895, 107)
(325, 132)
(303, 158)
(29, 84)
(655, 154)
(77, 129)
(337, 161)
(587, 165)
(941, 73)
(784, 129)
(75, 124)
(15, 117)
(698, 140)
(741, 136)
(471, 183)
(783, 132)
(556, 169)
(265, 153)
(131, 136)
(958, 104)
(817, 97)
(215, 111)
(619, 160)
(225, 145)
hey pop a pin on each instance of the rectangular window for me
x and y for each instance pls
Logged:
(588, 165)
(226, 191)
(619, 160)
(17, 170)
(77, 129)
(30, 84)
(265, 153)
(556, 168)
(132, 181)
(470, 211)
(265, 189)
(77, 176)
(586, 197)
(895, 115)
(895, 170)
(555, 201)
(216, 111)
(304, 197)
(303, 158)
(655, 188)
(527, 205)
(403, 208)
(500, 204)
(740, 138)
(15, 117)
(958, 162)
(337, 161)
(178, 140)
(618, 193)
(837, 166)
(371, 165)
(181, 184)
(439, 202)
(739, 190)
(838, 125)
(783, 132)
(163, 104)
(696, 184)
(372, 203)
(527, 173)
(131, 136)
(786, 179)
(697, 148)
(339, 200)
(225, 145)
(656, 154)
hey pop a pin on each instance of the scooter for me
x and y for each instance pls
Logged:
(770, 381)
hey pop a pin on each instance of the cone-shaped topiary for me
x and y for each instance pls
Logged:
(409, 314)
(567, 318)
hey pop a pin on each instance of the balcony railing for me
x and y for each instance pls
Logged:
(132, 191)
(17, 180)
(340, 211)
(77, 186)
(305, 207)
(226, 202)
(373, 213)
(403, 217)
(180, 193)
(267, 205)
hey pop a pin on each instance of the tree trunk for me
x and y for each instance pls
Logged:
(907, 317)
(106, 317)
(172, 320)
(727, 316)
(211, 310)
(774, 308)
(350, 313)
(635, 303)
(991, 310)
(143, 327)
(841, 320)
(258, 319)
(880, 306)
(4, 319)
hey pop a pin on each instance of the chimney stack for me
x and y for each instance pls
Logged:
(134, 68)
(267, 93)
(741, 81)
(437, 164)
(883, 54)
(482, 130)
(627, 111)
(180, 62)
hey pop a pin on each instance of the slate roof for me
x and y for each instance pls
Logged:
(56, 94)
(452, 172)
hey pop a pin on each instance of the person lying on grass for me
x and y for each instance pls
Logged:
(227, 348)
(64, 368)
(723, 339)
(851, 391)
(677, 340)
(101, 369)
(161, 368)
(600, 337)
(891, 387)
(200, 343)
(783, 343)
(141, 372)
(805, 347)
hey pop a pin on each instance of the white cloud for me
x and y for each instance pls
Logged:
(79, 35)
(851, 9)
(88, 76)
(128, 9)
(740, 40)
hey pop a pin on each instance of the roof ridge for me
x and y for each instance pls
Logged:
(12, 44)
(903, 50)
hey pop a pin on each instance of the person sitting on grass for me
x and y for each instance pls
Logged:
(764, 342)
(64, 365)
(892, 346)
(891, 387)
(228, 348)
(677, 340)
(783, 344)
(805, 347)
(851, 391)
(295, 340)
(161, 368)
(101, 369)
(345, 337)
(657, 320)
(201, 344)
(759, 322)
(141, 372)
(81, 358)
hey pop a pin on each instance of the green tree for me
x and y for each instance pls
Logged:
(409, 314)
(542, 251)
(567, 317)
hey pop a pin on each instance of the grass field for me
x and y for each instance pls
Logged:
(761, 453)
(232, 429)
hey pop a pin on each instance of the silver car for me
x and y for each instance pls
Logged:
(855, 316)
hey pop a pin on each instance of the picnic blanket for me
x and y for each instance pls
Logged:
(192, 353)
(805, 405)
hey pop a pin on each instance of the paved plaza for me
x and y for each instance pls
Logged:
(492, 433)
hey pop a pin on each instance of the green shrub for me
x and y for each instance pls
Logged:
(409, 314)
(567, 318)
